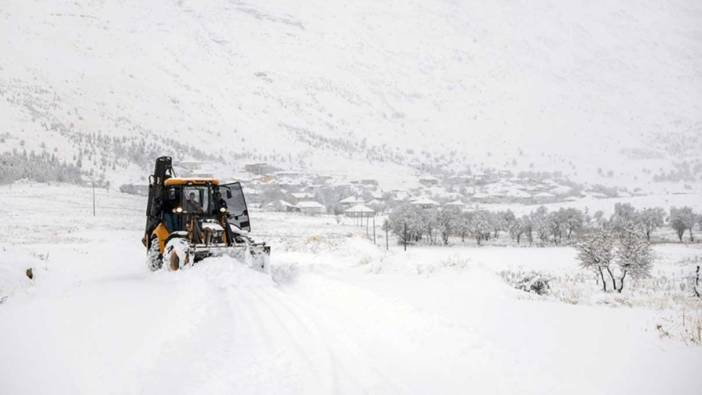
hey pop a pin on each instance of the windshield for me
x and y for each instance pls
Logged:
(196, 200)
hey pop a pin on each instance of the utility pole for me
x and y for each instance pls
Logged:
(93, 198)
(373, 229)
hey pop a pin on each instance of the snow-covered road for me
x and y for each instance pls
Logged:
(337, 315)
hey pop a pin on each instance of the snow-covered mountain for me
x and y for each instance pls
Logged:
(598, 90)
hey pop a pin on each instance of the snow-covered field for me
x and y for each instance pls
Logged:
(335, 315)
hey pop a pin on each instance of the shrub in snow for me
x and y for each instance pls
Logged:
(536, 284)
(531, 282)
(455, 261)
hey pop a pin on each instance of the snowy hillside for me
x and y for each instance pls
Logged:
(430, 196)
(378, 87)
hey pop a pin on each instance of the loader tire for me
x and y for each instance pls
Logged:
(154, 260)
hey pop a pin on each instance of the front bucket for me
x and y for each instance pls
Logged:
(256, 256)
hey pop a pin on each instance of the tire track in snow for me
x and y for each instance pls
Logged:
(343, 353)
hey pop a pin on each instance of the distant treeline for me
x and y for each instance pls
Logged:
(42, 167)
(413, 224)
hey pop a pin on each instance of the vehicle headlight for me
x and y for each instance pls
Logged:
(222, 210)
(179, 210)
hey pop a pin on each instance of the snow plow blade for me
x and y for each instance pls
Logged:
(256, 256)
(179, 254)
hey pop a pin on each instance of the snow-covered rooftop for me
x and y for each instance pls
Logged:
(350, 200)
(309, 204)
(424, 202)
(360, 209)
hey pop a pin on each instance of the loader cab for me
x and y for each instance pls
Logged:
(204, 199)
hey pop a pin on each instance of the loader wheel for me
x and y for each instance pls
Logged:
(174, 263)
(154, 260)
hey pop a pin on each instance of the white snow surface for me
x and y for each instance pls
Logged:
(335, 315)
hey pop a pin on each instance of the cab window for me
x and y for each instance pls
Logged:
(196, 200)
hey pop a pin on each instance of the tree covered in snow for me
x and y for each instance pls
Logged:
(598, 220)
(527, 227)
(463, 226)
(430, 219)
(449, 219)
(573, 220)
(520, 227)
(633, 256)
(624, 217)
(628, 249)
(650, 220)
(681, 220)
(500, 221)
(565, 225)
(406, 223)
(540, 222)
(42, 167)
(480, 225)
(596, 252)
(555, 226)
